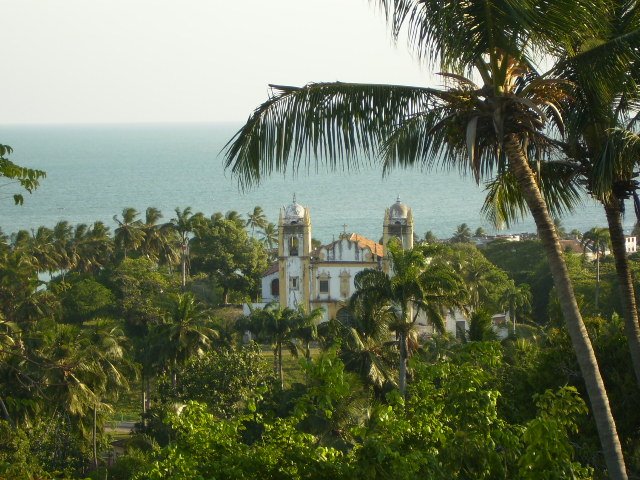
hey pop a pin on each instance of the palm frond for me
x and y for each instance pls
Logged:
(334, 123)
(558, 181)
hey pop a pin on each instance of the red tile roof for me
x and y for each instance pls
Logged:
(273, 268)
(364, 242)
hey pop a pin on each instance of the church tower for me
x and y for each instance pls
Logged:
(294, 255)
(398, 223)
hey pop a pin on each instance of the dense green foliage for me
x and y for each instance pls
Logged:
(106, 323)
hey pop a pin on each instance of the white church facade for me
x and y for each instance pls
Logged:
(324, 276)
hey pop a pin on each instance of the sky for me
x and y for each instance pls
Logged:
(130, 61)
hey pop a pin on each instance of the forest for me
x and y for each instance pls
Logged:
(143, 324)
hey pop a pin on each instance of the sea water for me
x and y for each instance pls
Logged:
(95, 171)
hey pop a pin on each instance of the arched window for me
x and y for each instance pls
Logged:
(275, 287)
(293, 246)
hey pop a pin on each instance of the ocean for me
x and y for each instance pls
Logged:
(95, 171)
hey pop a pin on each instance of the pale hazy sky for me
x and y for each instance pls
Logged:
(85, 61)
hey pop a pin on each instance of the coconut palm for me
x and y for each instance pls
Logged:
(413, 287)
(601, 119)
(234, 216)
(159, 243)
(256, 219)
(129, 234)
(462, 234)
(185, 332)
(62, 235)
(92, 247)
(307, 329)
(516, 299)
(501, 124)
(280, 327)
(270, 237)
(364, 341)
(183, 224)
(598, 241)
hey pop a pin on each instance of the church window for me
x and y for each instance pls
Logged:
(294, 283)
(324, 286)
(275, 287)
(293, 246)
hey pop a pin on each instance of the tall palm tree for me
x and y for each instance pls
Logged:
(501, 124)
(270, 237)
(598, 241)
(183, 224)
(256, 219)
(129, 234)
(415, 286)
(160, 244)
(280, 327)
(62, 235)
(516, 299)
(601, 117)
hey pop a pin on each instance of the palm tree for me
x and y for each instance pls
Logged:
(270, 237)
(364, 338)
(129, 234)
(280, 327)
(462, 234)
(413, 287)
(598, 241)
(501, 124)
(602, 119)
(184, 333)
(256, 219)
(430, 237)
(516, 299)
(159, 239)
(62, 235)
(43, 249)
(93, 248)
(307, 330)
(234, 216)
(183, 223)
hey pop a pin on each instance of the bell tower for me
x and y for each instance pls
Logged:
(294, 255)
(398, 223)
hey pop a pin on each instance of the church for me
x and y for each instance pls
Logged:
(324, 276)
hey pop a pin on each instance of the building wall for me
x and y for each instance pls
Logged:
(266, 287)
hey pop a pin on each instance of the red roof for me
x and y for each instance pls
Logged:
(273, 268)
(364, 242)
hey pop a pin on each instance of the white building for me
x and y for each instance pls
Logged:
(324, 277)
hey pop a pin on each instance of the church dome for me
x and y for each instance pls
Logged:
(398, 211)
(294, 212)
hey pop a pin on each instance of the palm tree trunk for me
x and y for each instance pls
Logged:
(630, 312)
(577, 332)
(148, 399)
(95, 440)
(280, 374)
(5, 412)
(144, 394)
(402, 370)
(597, 276)
(184, 266)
